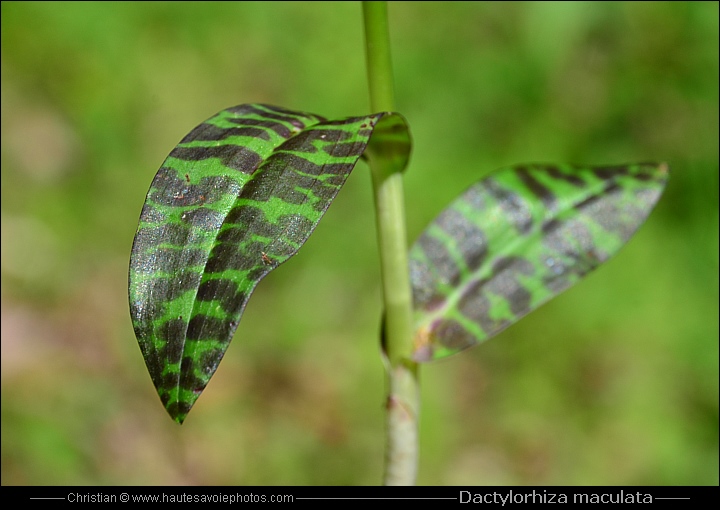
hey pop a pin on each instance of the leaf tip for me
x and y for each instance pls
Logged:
(178, 410)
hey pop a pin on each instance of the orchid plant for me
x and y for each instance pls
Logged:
(243, 190)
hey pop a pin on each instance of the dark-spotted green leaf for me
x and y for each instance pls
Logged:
(237, 197)
(516, 239)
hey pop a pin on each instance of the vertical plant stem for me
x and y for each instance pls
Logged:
(403, 401)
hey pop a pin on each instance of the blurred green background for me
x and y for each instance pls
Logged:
(614, 382)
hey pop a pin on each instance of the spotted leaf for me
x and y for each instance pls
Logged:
(516, 239)
(237, 197)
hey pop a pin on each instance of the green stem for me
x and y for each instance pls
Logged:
(379, 66)
(403, 401)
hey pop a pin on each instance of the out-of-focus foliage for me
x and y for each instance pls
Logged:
(614, 382)
(516, 239)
